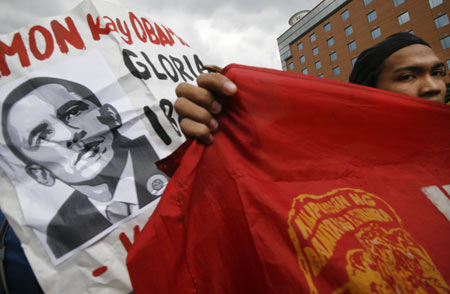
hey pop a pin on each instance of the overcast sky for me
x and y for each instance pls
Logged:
(223, 32)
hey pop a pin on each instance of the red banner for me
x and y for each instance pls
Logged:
(311, 186)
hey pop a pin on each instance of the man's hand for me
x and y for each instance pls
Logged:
(197, 105)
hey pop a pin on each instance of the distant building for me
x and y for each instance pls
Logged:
(326, 41)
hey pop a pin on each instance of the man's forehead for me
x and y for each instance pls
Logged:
(42, 103)
(53, 94)
(416, 54)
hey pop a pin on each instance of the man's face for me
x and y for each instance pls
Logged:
(416, 71)
(62, 133)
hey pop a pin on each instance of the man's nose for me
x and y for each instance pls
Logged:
(429, 86)
(90, 123)
(76, 141)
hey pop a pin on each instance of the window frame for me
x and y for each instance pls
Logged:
(372, 33)
(317, 51)
(398, 2)
(330, 39)
(334, 53)
(435, 3)
(400, 17)
(349, 45)
(441, 17)
(370, 16)
(445, 41)
(345, 30)
(345, 15)
(318, 62)
(334, 70)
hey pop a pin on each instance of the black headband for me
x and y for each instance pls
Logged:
(365, 70)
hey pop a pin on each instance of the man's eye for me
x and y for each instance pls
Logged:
(439, 73)
(406, 77)
(71, 113)
(41, 137)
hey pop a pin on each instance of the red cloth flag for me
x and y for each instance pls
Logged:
(311, 186)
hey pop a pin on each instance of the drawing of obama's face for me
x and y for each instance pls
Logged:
(61, 135)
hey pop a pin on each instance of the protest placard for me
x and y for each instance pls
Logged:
(86, 109)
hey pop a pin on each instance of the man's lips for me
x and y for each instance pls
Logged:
(92, 148)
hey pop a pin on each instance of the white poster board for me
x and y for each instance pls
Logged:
(86, 108)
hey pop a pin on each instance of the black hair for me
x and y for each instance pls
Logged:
(370, 62)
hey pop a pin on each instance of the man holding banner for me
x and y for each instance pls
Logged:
(402, 63)
(312, 186)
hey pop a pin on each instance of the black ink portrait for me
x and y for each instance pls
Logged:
(61, 131)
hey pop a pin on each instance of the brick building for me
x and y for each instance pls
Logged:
(327, 40)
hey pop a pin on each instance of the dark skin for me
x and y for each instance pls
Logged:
(416, 71)
(198, 105)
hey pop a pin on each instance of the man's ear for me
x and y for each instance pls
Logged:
(40, 174)
(110, 117)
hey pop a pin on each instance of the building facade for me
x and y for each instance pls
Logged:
(326, 41)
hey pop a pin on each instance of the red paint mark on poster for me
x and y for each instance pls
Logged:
(99, 271)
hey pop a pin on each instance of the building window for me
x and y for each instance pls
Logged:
(333, 56)
(305, 71)
(348, 30)
(287, 55)
(291, 66)
(434, 3)
(367, 2)
(336, 70)
(403, 18)
(445, 42)
(321, 76)
(398, 2)
(300, 46)
(315, 51)
(352, 46)
(372, 16)
(441, 21)
(345, 15)
(318, 64)
(354, 60)
(327, 27)
(448, 63)
(330, 42)
(375, 33)
(411, 32)
(302, 59)
(312, 37)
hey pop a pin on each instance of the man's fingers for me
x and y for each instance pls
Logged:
(194, 112)
(217, 83)
(199, 96)
(197, 105)
(196, 130)
(211, 86)
(212, 68)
